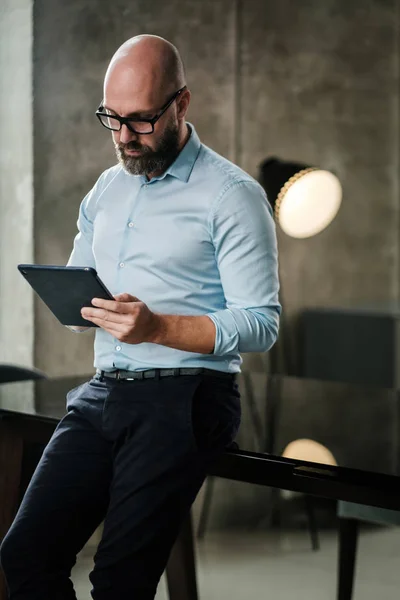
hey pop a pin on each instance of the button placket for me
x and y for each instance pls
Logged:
(127, 240)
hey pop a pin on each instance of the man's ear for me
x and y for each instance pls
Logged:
(183, 104)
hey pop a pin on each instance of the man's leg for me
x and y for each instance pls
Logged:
(65, 501)
(174, 427)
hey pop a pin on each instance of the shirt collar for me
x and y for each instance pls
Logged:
(182, 166)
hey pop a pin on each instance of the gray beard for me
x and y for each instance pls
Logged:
(142, 165)
(151, 161)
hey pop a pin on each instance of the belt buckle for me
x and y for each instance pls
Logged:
(119, 378)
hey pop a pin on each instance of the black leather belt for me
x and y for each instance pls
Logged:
(156, 373)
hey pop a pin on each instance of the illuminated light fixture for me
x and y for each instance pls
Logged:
(305, 199)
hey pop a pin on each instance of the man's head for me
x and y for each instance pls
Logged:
(145, 73)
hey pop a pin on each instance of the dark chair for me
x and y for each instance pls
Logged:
(11, 373)
(350, 516)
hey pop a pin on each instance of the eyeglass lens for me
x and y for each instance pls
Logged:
(113, 123)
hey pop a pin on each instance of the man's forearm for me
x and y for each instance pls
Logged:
(192, 334)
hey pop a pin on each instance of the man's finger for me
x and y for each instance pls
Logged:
(114, 329)
(104, 315)
(112, 305)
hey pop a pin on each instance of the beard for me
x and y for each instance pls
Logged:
(150, 161)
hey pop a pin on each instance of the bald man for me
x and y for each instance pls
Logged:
(186, 242)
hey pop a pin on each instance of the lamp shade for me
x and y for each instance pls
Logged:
(305, 199)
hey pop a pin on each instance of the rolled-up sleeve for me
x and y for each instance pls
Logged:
(82, 253)
(244, 236)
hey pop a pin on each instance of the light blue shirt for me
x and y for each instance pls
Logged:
(198, 240)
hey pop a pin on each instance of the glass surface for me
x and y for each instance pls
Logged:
(337, 423)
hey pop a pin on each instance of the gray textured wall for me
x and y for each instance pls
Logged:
(74, 42)
(312, 81)
(16, 185)
(323, 87)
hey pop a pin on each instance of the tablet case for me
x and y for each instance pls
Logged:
(65, 290)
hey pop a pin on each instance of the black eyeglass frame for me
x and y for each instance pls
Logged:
(127, 120)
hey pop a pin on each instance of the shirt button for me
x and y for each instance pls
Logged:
(118, 348)
(122, 265)
(130, 224)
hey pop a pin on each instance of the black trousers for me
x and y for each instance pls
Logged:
(133, 454)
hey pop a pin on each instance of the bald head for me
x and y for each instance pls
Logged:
(148, 60)
(144, 84)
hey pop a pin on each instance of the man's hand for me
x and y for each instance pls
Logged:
(126, 318)
(131, 321)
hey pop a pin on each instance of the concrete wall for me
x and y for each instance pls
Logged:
(320, 87)
(74, 42)
(16, 184)
(323, 87)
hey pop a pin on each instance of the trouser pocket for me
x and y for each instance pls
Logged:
(214, 413)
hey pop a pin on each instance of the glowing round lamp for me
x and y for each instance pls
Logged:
(305, 199)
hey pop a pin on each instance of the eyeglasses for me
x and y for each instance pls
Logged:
(141, 126)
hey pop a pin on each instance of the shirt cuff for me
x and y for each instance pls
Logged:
(226, 332)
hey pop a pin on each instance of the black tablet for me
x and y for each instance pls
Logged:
(66, 290)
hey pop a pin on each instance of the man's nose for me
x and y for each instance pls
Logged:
(126, 135)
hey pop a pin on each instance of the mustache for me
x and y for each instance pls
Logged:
(132, 146)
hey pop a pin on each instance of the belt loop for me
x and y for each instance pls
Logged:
(157, 374)
(101, 378)
(117, 375)
(177, 372)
